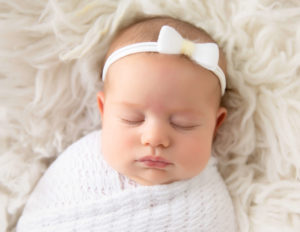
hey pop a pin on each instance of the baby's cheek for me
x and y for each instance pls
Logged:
(123, 146)
(126, 138)
(194, 158)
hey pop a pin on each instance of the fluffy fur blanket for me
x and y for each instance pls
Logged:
(50, 56)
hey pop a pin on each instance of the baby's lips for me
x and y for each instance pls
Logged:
(154, 159)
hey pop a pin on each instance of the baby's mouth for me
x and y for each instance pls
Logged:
(154, 162)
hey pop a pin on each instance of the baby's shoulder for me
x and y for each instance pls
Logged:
(89, 143)
(66, 178)
(86, 148)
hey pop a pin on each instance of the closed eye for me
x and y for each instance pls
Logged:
(132, 122)
(184, 127)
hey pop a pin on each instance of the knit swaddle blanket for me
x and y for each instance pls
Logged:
(80, 192)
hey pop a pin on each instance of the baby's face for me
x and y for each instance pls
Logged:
(159, 115)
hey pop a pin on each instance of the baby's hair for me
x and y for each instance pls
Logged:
(147, 30)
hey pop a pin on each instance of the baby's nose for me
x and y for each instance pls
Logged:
(155, 134)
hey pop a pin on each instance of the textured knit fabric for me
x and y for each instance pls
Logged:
(80, 192)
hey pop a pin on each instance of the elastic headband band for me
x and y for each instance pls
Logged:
(170, 42)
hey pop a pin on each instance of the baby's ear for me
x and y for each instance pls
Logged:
(100, 100)
(221, 116)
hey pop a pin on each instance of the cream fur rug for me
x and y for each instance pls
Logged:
(51, 54)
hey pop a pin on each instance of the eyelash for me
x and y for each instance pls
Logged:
(183, 127)
(131, 122)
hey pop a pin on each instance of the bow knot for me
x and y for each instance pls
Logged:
(171, 42)
(187, 48)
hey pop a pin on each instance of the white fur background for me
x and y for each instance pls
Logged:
(50, 58)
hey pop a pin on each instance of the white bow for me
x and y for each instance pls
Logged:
(171, 42)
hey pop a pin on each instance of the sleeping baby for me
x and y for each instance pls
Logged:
(150, 167)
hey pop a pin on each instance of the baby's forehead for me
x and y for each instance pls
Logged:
(161, 70)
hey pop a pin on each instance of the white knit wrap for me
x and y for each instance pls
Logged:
(80, 192)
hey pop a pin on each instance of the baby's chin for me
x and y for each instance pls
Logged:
(146, 181)
(152, 182)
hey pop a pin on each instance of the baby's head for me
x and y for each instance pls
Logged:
(159, 112)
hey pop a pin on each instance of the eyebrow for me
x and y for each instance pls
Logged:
(189, 112)
(122, 103)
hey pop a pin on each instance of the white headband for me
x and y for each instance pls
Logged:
(171, 42)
